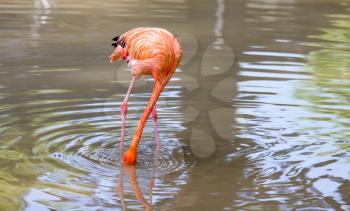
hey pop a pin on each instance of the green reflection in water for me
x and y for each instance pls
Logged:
(329, 91)
(20, 162)
(16, 174)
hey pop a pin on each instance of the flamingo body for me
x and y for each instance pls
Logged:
(148, 51)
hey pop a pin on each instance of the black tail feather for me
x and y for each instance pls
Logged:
(118, 41)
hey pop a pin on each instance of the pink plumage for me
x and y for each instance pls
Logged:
(148, 51)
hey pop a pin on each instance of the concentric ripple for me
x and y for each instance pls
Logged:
(77, 142)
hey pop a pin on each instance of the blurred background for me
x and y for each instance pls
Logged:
(256, 116)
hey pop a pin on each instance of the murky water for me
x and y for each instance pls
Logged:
(255, 118)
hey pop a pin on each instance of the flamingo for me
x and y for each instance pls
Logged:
(147, 51)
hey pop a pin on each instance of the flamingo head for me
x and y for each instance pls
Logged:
(118, 52)
(116, 55)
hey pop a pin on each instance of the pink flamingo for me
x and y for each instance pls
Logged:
(148, 51)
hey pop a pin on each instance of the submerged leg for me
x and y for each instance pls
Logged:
(124, 110)
(154, 117)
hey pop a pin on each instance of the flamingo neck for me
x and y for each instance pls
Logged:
(158, 88)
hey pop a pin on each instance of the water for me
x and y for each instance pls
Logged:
(255, 118)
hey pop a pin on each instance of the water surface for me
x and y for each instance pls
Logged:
(255, 118)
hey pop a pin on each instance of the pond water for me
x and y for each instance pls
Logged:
(255, 118)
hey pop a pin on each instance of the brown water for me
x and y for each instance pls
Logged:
(256, 117)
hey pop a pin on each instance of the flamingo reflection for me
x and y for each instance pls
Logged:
(132, 176)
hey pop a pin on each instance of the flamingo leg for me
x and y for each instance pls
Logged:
(154, 117)
(124, 111)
